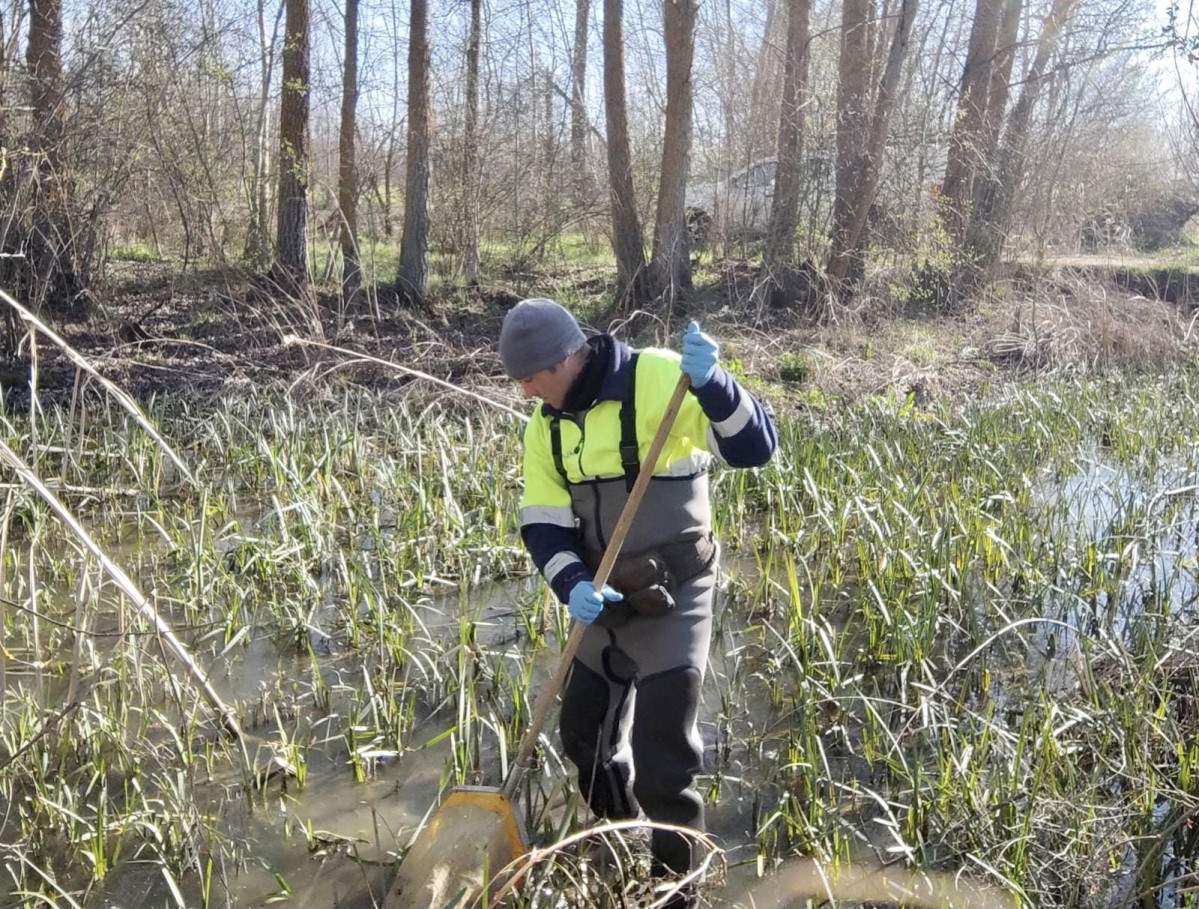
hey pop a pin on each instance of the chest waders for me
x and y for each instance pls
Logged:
(629, 711)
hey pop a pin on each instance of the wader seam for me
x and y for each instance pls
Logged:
(657, 675)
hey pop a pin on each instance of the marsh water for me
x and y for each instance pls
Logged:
(332, 841)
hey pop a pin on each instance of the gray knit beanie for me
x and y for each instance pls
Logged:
(536, 335)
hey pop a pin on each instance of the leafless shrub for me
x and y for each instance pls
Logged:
(1069, 323)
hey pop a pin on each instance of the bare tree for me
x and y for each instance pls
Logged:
(670, 270)
(853, 71)
(257, 246)
(847, 241)
(992, 217)
(470, 150)
(4, 66)
(54, 279)
(784, 211)
(6, 186)
(1001, 77)
(190, 104)
(412, 280)
(8, 201)
(578, 110)
(627, 242)
(967, 142)
(291, 252)
(1182, 31)
(765, 95)
(347, 184)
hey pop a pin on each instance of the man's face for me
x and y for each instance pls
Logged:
(550, 384)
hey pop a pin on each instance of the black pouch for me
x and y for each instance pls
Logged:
(690, 556)
(650, 579)
(647, 584)
(646, 581)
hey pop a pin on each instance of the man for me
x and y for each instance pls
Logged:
(629, 709)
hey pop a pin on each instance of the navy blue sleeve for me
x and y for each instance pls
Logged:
(555, 552)
(742, 432)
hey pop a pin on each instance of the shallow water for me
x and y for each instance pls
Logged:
(357, 827)
(333, 842)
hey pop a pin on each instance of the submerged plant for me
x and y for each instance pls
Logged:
(959, 637)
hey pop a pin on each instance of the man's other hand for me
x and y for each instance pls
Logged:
(699, 356)
(586, 603)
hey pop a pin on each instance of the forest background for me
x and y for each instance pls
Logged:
(816, 159)
(254, 258)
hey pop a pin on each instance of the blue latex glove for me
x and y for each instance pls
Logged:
(699, 356)
(586, 603)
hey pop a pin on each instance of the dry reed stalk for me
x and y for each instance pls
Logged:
(408, 370)
(126, 585)
(6, 521)
(807, 879)
(80, 361)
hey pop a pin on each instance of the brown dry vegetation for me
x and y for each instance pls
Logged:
(1058, 321)
(208, 335)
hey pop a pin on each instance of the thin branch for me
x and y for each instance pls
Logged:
(407, 370)
(122, 398)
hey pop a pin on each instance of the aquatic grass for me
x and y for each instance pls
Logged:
(893, 564)
(954, 637)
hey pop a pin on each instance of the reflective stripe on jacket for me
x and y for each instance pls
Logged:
(559, 517)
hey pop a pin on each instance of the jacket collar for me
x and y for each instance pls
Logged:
(617, 372)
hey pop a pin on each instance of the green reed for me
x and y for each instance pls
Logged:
(959, 637)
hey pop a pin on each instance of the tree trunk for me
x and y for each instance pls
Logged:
(764, 95)
(4, 63)
(257, 249)
(549, 153)
(627, 242)
(9, 274)
(999, 89)
(291, 252)
(51, 255)
(876, 33)
(853, 70)
(412, 281)
(841, 257)
(671, 266)
(470, 150)
(732, 109)
(784, 210)
(997, 99)
(967, 141)
(385, 196)
(44, 59)
(989, 227)
(6, 186)
(578, 110)
(347, 172)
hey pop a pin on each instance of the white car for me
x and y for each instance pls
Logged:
(736, 206)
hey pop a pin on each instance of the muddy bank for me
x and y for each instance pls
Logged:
(207, 336)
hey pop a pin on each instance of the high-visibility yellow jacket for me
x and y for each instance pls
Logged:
(575, 490)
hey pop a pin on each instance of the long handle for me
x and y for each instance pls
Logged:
(545, 700)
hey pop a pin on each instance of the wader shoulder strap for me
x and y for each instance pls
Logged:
(629, 453)
(630, 458)
(556, 449)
